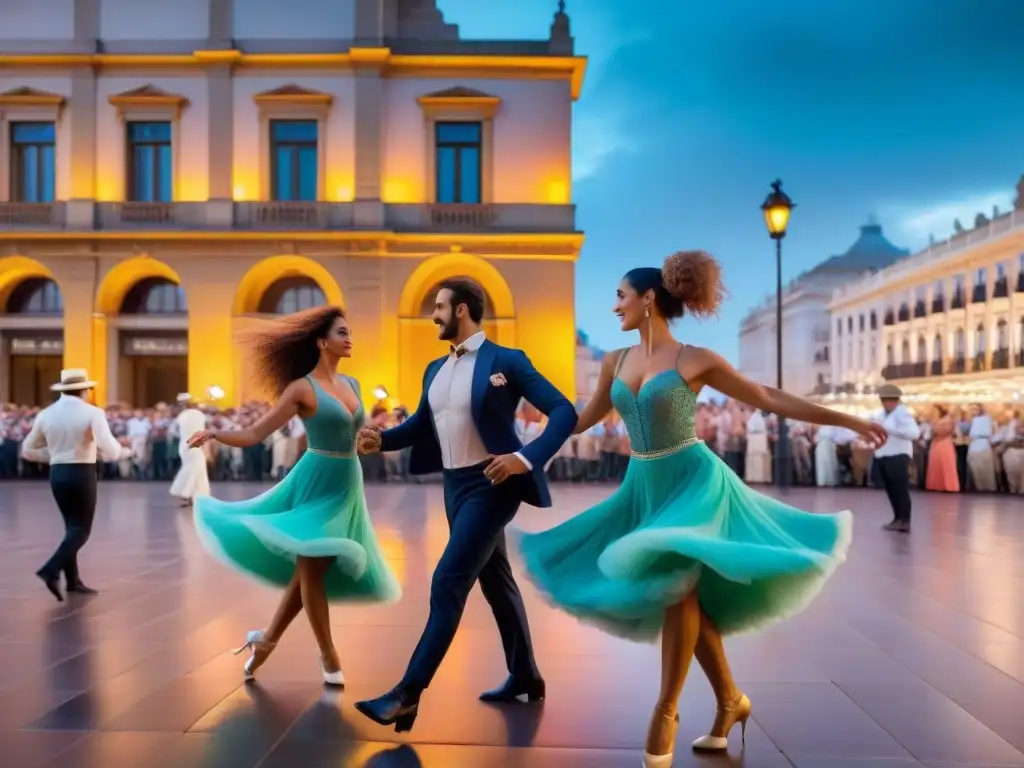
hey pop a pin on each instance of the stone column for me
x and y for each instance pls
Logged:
(82, 114)
(221, 145)
(369, 92)
(221, 20)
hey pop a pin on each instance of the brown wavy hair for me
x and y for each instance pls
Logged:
(285, 349)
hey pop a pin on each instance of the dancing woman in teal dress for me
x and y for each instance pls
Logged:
(311, 533)
(684, 548)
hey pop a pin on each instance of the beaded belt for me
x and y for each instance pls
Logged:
(645, 455)
(332, 454)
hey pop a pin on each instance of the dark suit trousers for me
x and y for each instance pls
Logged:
(894, 472)
(74, 490)
(477, 515)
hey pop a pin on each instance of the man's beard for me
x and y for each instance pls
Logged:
(449, 330)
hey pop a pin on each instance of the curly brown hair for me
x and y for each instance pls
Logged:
(285, 349)
(695, 278)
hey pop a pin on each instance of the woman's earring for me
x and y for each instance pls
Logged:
(650, 334)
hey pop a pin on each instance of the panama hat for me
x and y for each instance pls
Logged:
(73, 380)
(889, 392)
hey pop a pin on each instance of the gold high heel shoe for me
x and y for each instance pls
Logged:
(663, 761)
(260, 648)
(718, 740)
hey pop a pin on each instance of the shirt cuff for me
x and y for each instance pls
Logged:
(525, 461)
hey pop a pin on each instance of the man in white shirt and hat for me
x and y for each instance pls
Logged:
(193, 479)
(896, 454)
(68, 435)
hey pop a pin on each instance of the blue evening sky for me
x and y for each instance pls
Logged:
(909, 110)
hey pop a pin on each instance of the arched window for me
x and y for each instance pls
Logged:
(890, 355)
(155, 296)
(430, 299)
(35, 296)
(1002, 336)
(937, 353)
(958, 343)
(922, 349)
(979, 339)
(292, 294)
(905, 351)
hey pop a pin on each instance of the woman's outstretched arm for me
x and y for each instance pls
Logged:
(601, 402)
(297, 394)
(716, 372)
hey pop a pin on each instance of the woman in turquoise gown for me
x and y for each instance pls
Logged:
(311, 533)
(683, 548)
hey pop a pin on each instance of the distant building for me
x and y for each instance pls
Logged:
(807, 333)
(588, 368)
(946, 323)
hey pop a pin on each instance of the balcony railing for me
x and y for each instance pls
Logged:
(978, 363)
(510, 218)
(87, 216)
(935, 368)
(1000, 359)
(956, 365)
(31, 216)
(133, 215)
(275, 215)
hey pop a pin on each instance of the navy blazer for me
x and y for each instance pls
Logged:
(494, 413)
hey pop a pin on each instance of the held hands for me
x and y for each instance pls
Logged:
(368, 440)
(501, 468)
(199, 439)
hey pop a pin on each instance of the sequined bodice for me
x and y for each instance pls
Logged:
(660, 416)
(332, 428)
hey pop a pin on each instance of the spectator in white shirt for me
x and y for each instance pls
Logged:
(894, 456)
(68, 435)
(980, 461)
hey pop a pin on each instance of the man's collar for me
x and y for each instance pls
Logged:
(474, 342)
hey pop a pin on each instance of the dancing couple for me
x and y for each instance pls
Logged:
(683, 549)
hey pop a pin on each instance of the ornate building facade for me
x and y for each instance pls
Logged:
(948, 322)
(807, 342)
(170, 171)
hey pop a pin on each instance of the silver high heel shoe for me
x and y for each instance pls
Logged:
(331, 678)
(253, 642)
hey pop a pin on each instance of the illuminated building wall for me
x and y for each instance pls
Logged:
(223, 161)
(948, 322)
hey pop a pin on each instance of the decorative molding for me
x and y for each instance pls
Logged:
(292, 102)
(27, 98)
(148, 100)
(292, 97)
(461, 102)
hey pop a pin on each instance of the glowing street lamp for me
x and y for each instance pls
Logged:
(776, 209)
(380, 392)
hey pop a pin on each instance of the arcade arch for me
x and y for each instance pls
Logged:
(143, 310)
(418, 341)
(31, 331)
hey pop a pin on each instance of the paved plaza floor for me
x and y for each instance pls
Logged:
(913, 654)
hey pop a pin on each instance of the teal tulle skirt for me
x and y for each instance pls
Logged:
(680, 522)
(318, 510)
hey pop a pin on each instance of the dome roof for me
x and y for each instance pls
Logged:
(870, 252)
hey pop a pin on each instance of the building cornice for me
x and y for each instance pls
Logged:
(571, 68)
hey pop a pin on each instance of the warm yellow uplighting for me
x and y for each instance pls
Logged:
(380, 393)
(558, 193)
(343, 194)
(108, 187)
(398, 191)
(239, 194)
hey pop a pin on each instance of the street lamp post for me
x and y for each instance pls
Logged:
(776, 208)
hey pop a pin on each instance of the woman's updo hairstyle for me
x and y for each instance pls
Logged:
(688, 282)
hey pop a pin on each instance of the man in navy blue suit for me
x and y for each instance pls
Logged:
(465, 426)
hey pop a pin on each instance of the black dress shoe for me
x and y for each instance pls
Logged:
(395, 708)
(80, 589)
(516, 690)
(52, 583)
(900, 526)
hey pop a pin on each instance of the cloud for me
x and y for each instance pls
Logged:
(937, 219)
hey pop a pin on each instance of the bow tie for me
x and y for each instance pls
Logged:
(459, 351)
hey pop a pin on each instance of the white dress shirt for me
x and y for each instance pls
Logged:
(451, 404)
(903, 431)
(980, 434)
(70, 432)
(189, 422)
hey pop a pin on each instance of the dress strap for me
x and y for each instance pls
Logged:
(620, 361)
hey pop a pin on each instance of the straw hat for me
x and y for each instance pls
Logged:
(73, 380)
(184, 397)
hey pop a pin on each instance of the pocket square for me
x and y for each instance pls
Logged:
(498, 380)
